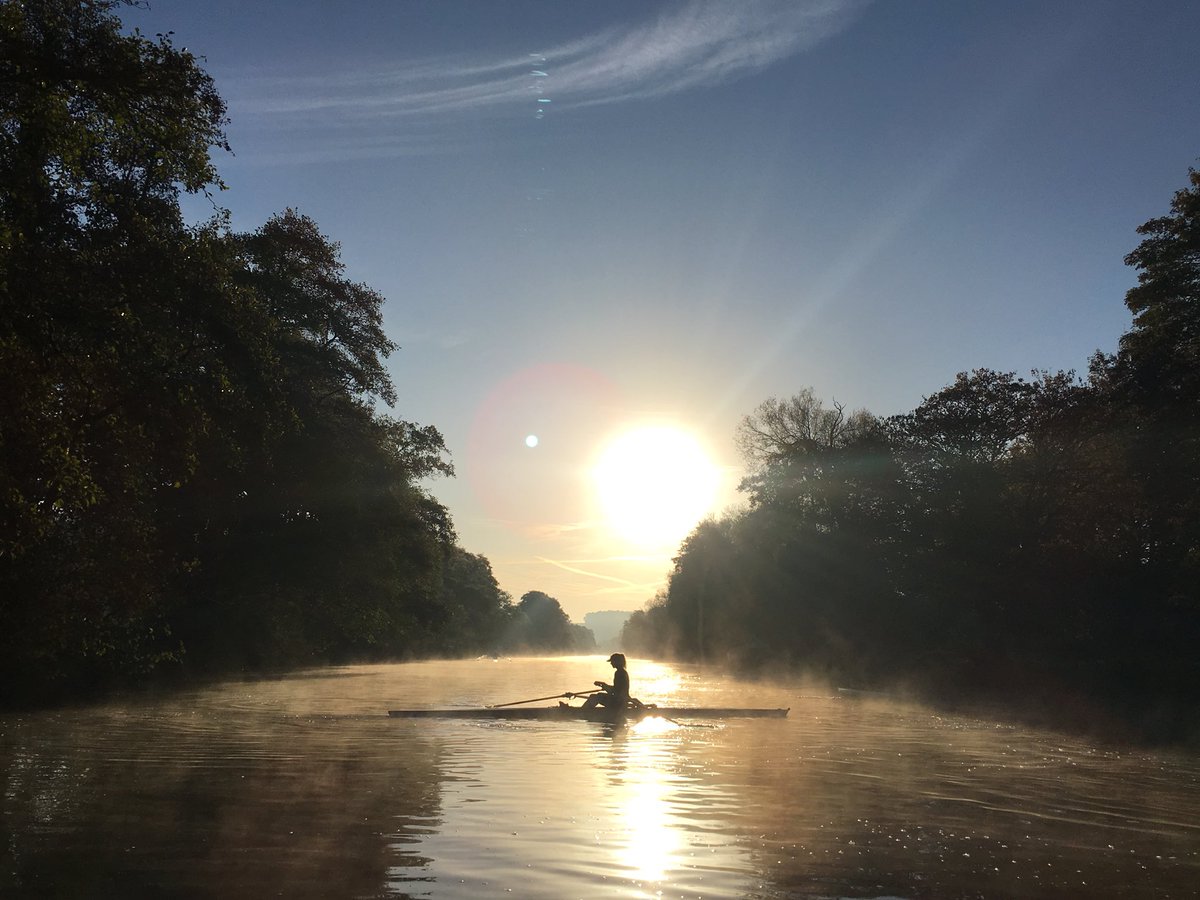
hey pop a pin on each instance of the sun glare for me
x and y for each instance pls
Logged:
(654, 484)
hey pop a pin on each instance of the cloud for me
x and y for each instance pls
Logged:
(688, 46)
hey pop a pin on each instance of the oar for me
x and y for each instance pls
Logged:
(652, 707)
(551, 697)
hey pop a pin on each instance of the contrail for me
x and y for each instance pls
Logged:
(622, 581)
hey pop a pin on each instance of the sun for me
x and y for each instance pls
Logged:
(654, 483)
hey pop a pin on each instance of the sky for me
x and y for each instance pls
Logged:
(590, 217)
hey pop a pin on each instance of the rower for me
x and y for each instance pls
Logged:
(615, 695)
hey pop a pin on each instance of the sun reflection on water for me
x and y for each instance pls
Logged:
(651, 845)
(655, 682)
(653, 725)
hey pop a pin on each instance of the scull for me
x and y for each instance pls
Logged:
(595, 714)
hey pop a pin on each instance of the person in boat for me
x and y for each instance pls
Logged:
(615, 695)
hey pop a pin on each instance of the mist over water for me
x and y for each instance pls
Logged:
(303, 787)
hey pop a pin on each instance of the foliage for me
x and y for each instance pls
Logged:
(1154, 385)
(478, 612)
(1160, 355)
(539, 624)
(103, 300)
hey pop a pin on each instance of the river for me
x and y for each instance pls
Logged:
(302, 786)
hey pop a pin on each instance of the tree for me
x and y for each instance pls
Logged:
(478, 611)
(539, 623)
(817, 460)
(710, 608)
(329, 329)
(1152, 388)
(1155, 383)
(1160, 355)
(192, 458)
(102, 289)
(799, 426)
(650, 630)
(316, 537)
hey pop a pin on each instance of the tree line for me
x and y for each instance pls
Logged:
(1011, 537)
(197, 468)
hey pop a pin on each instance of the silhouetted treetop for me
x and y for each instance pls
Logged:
(332, 327)
(800, 425)
(1161, 352)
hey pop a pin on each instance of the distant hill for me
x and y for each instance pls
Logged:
(606, 625)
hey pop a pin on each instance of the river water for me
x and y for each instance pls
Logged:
(302, 786)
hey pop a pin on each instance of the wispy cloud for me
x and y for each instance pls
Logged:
(687, 46)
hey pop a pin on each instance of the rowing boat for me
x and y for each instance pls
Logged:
(595, 714)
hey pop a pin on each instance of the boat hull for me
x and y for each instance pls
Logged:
(595, 714)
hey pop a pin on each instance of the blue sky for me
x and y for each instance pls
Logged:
(697, 206)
